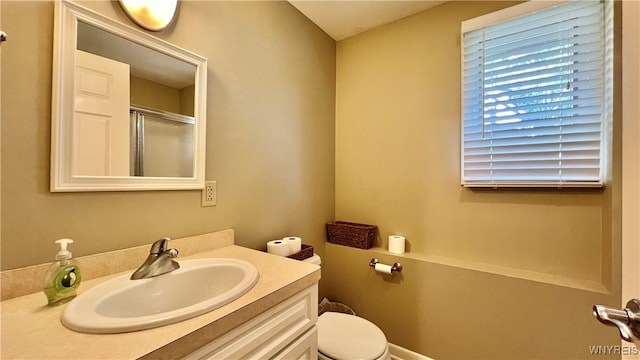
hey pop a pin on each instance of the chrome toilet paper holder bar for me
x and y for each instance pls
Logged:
(396, 267)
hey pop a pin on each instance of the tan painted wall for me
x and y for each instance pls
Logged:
(161, 97)
(270, 133)
(154, 95)
(186, 100)
(271, 148)
(493, 274)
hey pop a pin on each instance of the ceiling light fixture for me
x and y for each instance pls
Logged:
(154, 15)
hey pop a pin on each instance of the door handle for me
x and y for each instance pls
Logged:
(626, 320)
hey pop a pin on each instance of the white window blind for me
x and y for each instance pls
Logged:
(536, 96)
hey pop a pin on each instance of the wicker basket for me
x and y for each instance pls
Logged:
(356, 235)
(305, 253)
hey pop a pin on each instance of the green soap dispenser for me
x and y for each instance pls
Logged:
(63, 276)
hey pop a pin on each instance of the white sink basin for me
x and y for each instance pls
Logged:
(123, 305)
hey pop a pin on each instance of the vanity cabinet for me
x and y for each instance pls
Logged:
(284, 331)
(276, 319)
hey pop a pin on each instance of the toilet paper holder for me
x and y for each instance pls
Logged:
(396, 267)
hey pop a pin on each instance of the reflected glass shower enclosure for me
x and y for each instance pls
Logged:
(161, 143)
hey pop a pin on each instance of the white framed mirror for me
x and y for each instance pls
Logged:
(128, 109)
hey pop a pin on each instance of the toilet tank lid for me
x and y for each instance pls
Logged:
(343, 336)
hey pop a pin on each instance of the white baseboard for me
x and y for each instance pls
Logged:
(400, 353)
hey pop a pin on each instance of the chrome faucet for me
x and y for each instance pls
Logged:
(160, 261)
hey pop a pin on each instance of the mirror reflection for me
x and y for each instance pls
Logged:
(128, 108)
(150, 131)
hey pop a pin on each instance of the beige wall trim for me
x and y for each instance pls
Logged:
(29, 280)
(580, 284)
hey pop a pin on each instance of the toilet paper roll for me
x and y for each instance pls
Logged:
(396, 244)
(278, 247)
(295, 244)
(382, 268)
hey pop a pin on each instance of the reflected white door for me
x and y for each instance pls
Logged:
(101, 117)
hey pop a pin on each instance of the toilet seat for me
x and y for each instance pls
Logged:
(343, 336)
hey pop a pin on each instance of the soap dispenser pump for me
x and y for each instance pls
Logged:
(63, 276)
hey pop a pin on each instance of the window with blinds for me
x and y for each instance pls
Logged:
(537, 95)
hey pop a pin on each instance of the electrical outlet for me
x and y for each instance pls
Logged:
(209, 195)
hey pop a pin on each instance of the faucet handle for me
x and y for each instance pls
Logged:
(160, 246)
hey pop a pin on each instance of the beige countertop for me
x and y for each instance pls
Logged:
(31, 330)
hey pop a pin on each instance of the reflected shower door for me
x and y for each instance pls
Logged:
(163, 144)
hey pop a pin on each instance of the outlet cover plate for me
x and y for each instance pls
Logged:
(209, 194)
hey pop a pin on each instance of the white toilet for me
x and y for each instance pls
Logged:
(348, 337)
